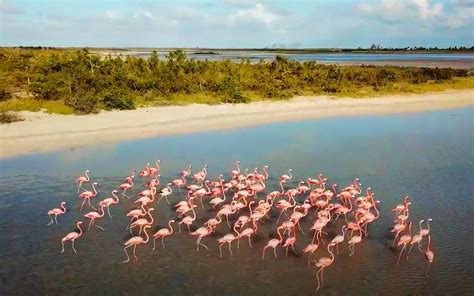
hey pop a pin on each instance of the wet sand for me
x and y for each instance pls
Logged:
(42, 132)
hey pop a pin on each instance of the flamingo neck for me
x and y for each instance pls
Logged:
(266, 172)
(429, 243)
(147, 236)
(235, 230)
(63, 207)
(290, 174)
(115, 197)
(103, 212)
(332, 254)
(80, 229)
(95, 190)
(194, 213)
(87, 176)
(279, 234)
(428, 224)
(171, 228)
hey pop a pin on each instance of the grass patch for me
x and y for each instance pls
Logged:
(9, 117)
(35, 105)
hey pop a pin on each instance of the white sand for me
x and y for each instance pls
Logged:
(45, 132)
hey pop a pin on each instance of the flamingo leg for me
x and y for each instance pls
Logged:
(125, 250)
(89, 202)
(166, 197)
(250, 243)
(56, 219)
(73, 246)
(179, 227)
(99, 227)
(108, 211)
(227, 218)
(62, 244)
(427, 273)
(230, 249)
(90, 223)
(401, 253)
(220, 249)
(162, 238)
(83, 203)
(134, 249)
(299, 226)
(238, 242)
(154, 244)
(281, 213)
(263, 253)
(317, 277)
(51, 220)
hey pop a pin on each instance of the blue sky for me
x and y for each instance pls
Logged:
(237, 23)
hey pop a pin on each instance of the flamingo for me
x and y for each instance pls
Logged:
(143, 221)
(82, 179)
(236, 172)
(87, 195)
(248, 232)
(56, 212)
(429, 255)
(110, 201)
(352, 242)
(200, 233)
(95, 215)
(179, 182)
(135, 241)
(425, 232)
(125, 187)
(162, 233)
(154, 171)
(72, 236)
(228, 239)
(323, 263)
(165, 192)
(130, 178)
(310, 249)
(339, 238)
(290, 242)
(404, 240)
(134, 214)
(188, 220)
(416, 239)
(273, 243)
(186, 173)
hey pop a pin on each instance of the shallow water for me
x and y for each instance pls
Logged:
(428, 156)
(324, 57)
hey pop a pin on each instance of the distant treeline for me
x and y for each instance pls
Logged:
(87, 82)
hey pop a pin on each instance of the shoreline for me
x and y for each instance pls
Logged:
(41, 132)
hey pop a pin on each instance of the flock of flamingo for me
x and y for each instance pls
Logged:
(237, 199)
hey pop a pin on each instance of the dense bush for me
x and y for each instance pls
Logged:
(88, 82)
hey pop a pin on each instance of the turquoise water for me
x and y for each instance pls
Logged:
(428, 156)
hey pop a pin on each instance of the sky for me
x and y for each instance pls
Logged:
(237, 23)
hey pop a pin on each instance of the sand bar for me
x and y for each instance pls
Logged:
(42, 132)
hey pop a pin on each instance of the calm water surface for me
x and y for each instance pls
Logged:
(325, 57)
(428, 156)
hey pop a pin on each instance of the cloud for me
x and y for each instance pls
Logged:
(256, 14)
(425, 10)
(8, 8)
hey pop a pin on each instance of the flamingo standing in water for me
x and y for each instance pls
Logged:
(310, 249)
(429, 256)
(87, 195)
(95, 215)
(165, 192)
(179, 182)
(273, 243)
(417, 238)
(322, 263)
(200, 233)
(404, 240)
(82, 179)
(110, 201)
(135, 241)
(188, 220)
(228, 239)
(352, 242)
(56, 212)
(155, 171)
(72, 236)
(124, 187)
(162, 233)
(285, 178)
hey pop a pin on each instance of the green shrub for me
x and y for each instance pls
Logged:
(118, 101)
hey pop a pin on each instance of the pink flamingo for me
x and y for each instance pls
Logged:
(416, 239)
(284, 205)
(130, 178)
(200, 233)
(110, 201)
(425, 232)
(285, 178)
(248, 232)
(165, 192)
(95, 215)
(188, 220)
(187, 173)
(87, 195)
(82, 179)
(72, 236)
(404, 240)
(352, 242)
(339, 238)
(236, 172)
(290, 242)
(56, 212)
(125, 187)
(228, 239)
(273, 243)
(179, 182)
(154, 171)
(310, 249)
(323, 263)
(162, 233)
(429, 256)
(135, 241)
(143, 222)
(135, 214)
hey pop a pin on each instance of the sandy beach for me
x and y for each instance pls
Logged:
(42, 132)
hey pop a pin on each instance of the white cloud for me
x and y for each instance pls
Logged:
(257, 14)
(425, 10)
